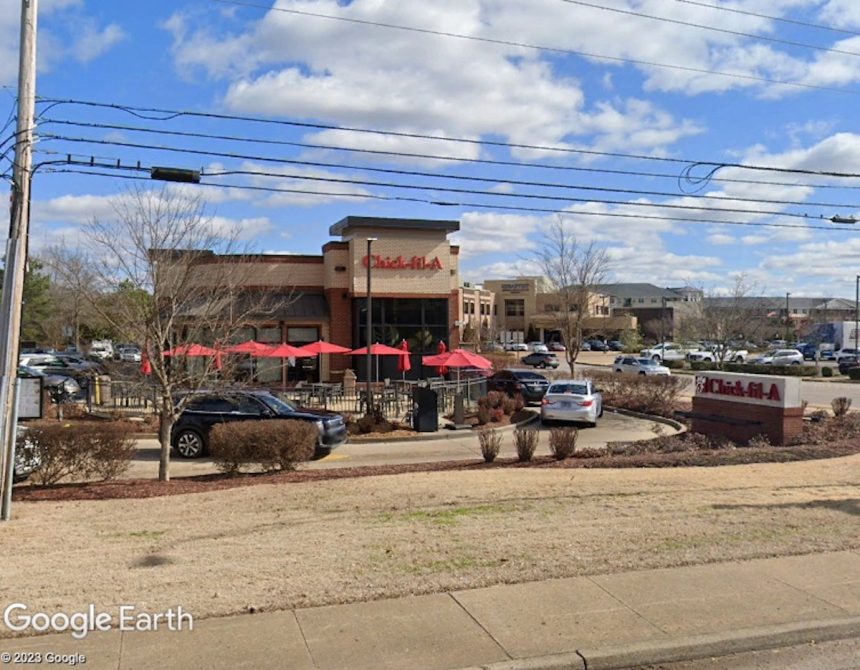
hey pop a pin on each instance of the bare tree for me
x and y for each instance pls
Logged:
(73, 279)
(573, 271)
(725, 320)
(154, 260)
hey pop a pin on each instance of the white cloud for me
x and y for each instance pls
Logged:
(720, 239)
(92, 41)
(240, 229)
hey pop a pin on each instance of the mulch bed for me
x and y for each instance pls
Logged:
(148, 488)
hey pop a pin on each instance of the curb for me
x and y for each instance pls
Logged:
(444, 433)
(677, 425)
(637, 655)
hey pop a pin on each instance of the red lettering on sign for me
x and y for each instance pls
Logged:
(400, 263)
(773, 394)
(738, 388)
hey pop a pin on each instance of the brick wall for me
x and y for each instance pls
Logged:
(340, 325)
(779, 424)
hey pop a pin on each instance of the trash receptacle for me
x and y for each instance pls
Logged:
(425, 410)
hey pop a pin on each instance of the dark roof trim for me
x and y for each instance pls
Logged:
(349, 222)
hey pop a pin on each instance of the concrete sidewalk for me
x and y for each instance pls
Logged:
(608, 621)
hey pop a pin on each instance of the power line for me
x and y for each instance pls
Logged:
(441, 203)
(266, 159)
(781, 19)
(701, 26)
(437, 175)
(172, 114)
(524, 45)
(445, 158)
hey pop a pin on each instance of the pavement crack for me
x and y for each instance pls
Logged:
(480, 625)
(627, 605)
(305, 639)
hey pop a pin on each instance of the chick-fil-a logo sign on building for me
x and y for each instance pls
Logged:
(752, 389)
(401, 263)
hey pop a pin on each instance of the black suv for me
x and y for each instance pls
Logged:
(205, 409)
(540, 360)
(531, 385)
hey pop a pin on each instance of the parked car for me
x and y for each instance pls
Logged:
(531, 385)
(598, 345)
(845, 352)
(572, 400)
(555, 345)
(491, 346)
(616, 345)
(60, 387)
(26, 461)
(102, 349)
(516, 346)
(779, 357)
(537, 347)
(130, 355)
(668, 351)
(80, 362)
(712, 353)
(584, 346)
(540, 360)
(633, 365)
(847, 363)
(190, 435)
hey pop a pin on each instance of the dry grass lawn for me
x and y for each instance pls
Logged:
(282, 546)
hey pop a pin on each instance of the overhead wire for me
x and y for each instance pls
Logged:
(702, 26)
(770, 17)
(442, 203)
(525, 45)
(272, 160)
(460, 140)
(437, 157)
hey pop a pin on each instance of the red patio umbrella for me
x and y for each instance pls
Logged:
(287, 351)
(145, 365)
(323, 347)
(441, 348)
(250, 347)
(403, 363)
(190, 350)
(459, 358)
(377, 349)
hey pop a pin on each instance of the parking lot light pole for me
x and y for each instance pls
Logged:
(368, 324)
(787, 318)
(856, 312)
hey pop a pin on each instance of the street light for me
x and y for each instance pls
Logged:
(856, 311)
(787, 317)
(663, 323)
(369, 331)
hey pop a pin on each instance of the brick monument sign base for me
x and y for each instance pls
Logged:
(741, 406)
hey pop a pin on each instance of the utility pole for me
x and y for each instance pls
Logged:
(369, 325)
(16, 250)
(787, 319)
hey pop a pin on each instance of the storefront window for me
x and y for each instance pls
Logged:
(515, 307)
(268, 369)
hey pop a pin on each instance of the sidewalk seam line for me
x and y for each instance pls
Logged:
(119, 656)
(628, 606)
(480, 625)
(584, 660)
(812, 595)
(304, 638)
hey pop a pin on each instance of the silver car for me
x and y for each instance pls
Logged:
(572, 400)
(632, 365)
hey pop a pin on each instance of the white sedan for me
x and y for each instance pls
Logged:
(130, 355)
(780, 357)
(632, 365)
(572, 400)
(516, 346)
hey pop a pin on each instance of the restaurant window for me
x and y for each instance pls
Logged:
(515, 307)
(550, 308)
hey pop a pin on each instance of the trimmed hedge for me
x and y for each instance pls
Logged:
(673, 365)
(639, 393)
(272, 445)
(91, 450)
(779, 370)
(854, 374)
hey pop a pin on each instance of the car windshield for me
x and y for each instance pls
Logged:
(646, 361)
(580, 389)
(278, 406)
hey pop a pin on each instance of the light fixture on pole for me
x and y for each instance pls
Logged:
(368, 324)
(787, 319)
(856, 313)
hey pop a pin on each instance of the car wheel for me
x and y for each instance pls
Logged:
(619, 371)
(643, 374)
(795, 362)
(655, 358)
(189, 444)
(739, 359)
(541, 365)
(601, 412)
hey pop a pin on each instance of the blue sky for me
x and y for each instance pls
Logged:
(254, 61)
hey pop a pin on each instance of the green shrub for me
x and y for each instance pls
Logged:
(491, 444)
(854, 374)
(273, 445)
(526, 440)
(562, 442)
(76, 451)
(840, 406)
(702, 365)
(780, 370)
(674, 365)
(826, 372)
